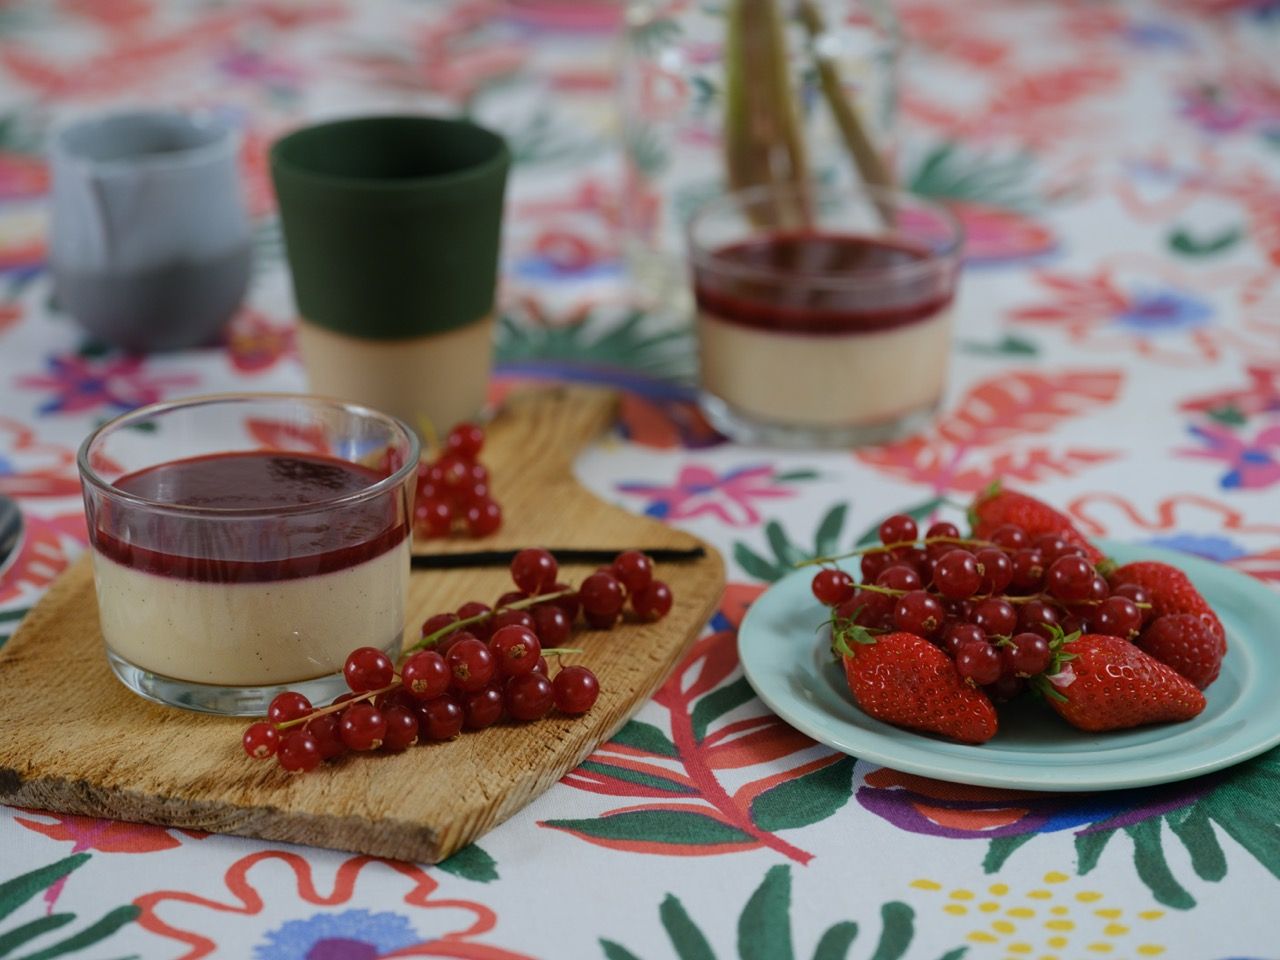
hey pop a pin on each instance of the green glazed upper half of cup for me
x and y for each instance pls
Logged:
(392, 224)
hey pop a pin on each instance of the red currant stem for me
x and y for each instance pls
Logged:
(560, 651)
(886, 547)
(431, 639)
(338, 707)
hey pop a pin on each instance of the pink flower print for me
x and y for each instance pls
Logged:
(81, 384)
(1255, 464)
(699, 491)
(1241, 102)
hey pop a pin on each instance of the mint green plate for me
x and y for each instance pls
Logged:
(792, 671)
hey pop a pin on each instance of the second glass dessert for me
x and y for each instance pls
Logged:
(823, 316)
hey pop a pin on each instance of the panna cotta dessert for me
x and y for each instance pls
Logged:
(819, 335)
(267, 602)
(225, 575)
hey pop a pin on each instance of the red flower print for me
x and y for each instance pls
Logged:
(701, 491)
(48, 547)
(83, 383)
(272, 882)
(32, 468)
(255, 344)
(989, 425)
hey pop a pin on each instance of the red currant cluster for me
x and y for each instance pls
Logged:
(994, 605)
(470, 670)
(453, 490)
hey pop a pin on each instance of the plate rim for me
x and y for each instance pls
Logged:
(921, 760)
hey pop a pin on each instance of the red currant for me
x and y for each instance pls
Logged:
(1132, 591)
(425, 675)
(472, 665)
(482, 708)
(298, 752)
(601, 594)
(978, 662)
(1118, 616)
(438, 622)
(872, 564)
(515, 649)
(1037, 616)
(959, 634)
(402, 729)
(508, 598)
(634, 569)
(898, 528)
(1007, 687)
(899, 577)
(1099, 589)
(395, 697)
(528, 697)
(1069, 578)
(433, 517)
(483, 518)
(996, 617)
(508, 618)
(534, 570)
(552, 625)
(542, 667)
(957, 576)
(919, 613)
(832, 587)
(575, 689)
(481, 628)
(447, 644)
(288, 706)
(328, 733)
(1075, 623)
(1051, 545)
(362, 726)
(996, 569)
(440, 719)
(1010, 536)
(367, 668)
(261, 740)
(466, 440)
(867, 609)
(1029, 654)
(568, 602)
(942, 529)
(1028, 570)
(602, 621)
(653, 602)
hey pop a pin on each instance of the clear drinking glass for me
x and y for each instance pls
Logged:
(823, 314)
(673, 89)
(244, 544)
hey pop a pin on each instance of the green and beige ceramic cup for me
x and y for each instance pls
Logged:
(392, 227)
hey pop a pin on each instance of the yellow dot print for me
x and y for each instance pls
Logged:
(1050, 920)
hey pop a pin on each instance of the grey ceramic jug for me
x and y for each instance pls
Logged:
(150, 244)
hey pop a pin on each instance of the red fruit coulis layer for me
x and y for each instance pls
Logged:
(794, 303)
(250, 550)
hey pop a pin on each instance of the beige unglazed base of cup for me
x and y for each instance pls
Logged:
(440, 377)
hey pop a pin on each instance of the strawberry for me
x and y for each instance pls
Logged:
(996, 506)
(905, 680)
(1105, 683)
(1170, 589)
(1188, 643)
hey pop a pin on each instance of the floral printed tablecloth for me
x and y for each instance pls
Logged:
(1118, 170)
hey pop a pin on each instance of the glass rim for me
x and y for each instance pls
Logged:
(703, 256)
(383, 486)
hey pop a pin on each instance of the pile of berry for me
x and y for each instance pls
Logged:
(470, 670)
(453, 490)
(941, 627)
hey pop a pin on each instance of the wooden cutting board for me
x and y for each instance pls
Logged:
(73, 739)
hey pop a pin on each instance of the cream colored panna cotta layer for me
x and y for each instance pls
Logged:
(252, 634)
(800, 379)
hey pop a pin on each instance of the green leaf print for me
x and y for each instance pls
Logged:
(645, 736)
(678, 827)
(650, 780)
(1181, 241)
(719, 702)
(786, 552)
(764, 929)
(471, 863)
(20, 890)
(949, 171)
(805, 800)
(917, 512)
(1006, 346)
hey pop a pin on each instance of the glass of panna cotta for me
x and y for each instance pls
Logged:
(245, 544)
(823, 315)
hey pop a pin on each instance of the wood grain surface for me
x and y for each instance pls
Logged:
(75, 740)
